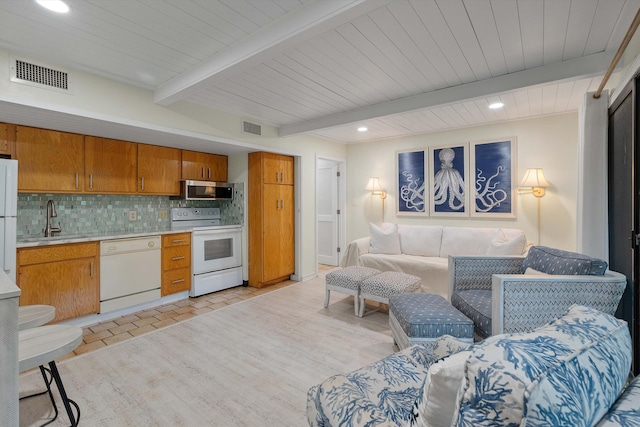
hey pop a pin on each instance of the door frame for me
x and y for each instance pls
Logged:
(340, 203)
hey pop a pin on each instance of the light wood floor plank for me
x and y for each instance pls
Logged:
(248, 364)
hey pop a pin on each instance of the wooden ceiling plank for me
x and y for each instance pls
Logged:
(549, 96)
(457, 19)
(291, 70)
(571, 69)
(398, 65)
(505, 13)
(484, 25)
(422, 39)
(397, 35)
(556, 18)
(606, 16)
(581, 20)
(531, 19)
(535, 100)
(430, 14)
(629, 10)
(372, 72)
(297, 26)
(563, 96)
(522, 102)
(510, 106)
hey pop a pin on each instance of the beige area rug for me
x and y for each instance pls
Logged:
(249, 364)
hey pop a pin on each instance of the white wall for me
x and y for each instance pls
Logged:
(94, 96)
(550, 143)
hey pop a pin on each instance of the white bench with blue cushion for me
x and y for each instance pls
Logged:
(422, 318)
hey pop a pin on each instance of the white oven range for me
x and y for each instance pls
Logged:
(216, 250)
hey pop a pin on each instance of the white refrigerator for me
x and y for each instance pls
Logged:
(8, 213)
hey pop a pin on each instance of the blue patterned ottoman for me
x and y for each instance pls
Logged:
(423, 318)
(347, 281)
(382, 286)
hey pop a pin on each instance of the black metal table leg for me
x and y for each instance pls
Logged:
(63, 394)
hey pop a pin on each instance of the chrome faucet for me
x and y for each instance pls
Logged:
(51, 213)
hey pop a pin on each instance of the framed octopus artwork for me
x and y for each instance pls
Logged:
(494, 178)
(411, 183)
(448, 188)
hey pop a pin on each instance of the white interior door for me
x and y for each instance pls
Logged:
(327, 210)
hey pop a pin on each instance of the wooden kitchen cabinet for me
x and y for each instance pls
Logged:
(65, 276)
(7, 140)
(110, 165)
(271, 220)
(176, 263)
(50, 161)
(204, 166)
(278, 169)
(159, 170)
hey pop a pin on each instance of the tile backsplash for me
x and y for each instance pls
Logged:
(109, 213)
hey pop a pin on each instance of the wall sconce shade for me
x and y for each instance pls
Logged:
(374, 186)
(534, 178)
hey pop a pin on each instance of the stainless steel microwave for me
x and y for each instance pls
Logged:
(205, 190)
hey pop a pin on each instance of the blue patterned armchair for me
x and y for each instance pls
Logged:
(518, 294)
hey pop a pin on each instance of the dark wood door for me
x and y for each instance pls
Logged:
(623, 207)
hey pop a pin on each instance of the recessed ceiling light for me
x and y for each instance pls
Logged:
(54, 5)
(496, 105)
(363, 129)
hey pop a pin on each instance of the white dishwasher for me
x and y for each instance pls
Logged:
(129, 272)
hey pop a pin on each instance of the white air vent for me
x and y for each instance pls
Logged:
(248, 127)
(39, 75)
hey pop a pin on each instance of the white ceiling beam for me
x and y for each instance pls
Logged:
(297, 26)
(587, 66)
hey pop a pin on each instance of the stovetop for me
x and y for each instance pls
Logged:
(195, 219)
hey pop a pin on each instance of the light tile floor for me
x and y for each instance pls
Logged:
(126, 327)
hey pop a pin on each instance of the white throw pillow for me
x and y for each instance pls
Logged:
(467, 241)
(507, 245)
(385, 240)
(423, 240)
(438, 402)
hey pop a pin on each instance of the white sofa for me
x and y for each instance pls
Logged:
(423, 250)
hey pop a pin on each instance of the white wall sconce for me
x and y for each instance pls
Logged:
(376, 190)
(535, 183)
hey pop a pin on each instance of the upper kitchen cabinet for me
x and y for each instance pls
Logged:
(158, 170)
(278, 169)
(110, 165)
(50, 161)
(203, 166)
(7, 140)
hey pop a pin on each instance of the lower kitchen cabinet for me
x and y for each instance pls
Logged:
(65, 276)
(176, 263)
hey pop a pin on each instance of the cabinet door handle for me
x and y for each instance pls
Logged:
(177, 281)
(91, 269)
(90, 180)
(178, 241)
(177, 258)
(202, 174)
(142, 182)
(209, 172)
(76, 179)
(282, 203)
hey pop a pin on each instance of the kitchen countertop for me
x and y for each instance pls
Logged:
(25, 242)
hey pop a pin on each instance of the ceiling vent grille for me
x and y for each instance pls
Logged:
(39, 75)
(248, 127)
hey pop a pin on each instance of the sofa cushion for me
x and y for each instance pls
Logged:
(476, 305)
(507, 243)
(557, 261)
(420, 240)
(437, 403)
(466, 240)
(379, 394)
(626, 410)
(565, 373)
(384, 239)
